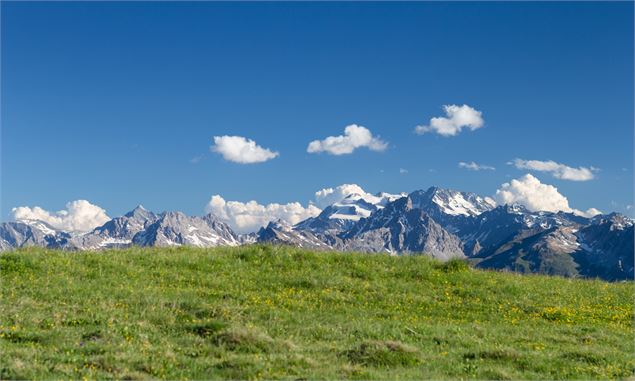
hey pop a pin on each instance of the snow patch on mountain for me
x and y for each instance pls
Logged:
(360, 205)
(458, 204)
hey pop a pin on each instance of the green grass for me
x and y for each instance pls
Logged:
(262, 312)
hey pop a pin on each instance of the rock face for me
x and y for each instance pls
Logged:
(137, 227)
(117, 232)
(176, 229)
(342, 215)
(438, 222)
(493, 228)
(400, 227)
(546, 251)
(607, 248)
(280, 232)
(453, 210)
(449, 207)
(31, 233)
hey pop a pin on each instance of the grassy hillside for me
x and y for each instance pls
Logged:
(270, 312)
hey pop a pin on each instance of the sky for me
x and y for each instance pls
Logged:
(168, 104)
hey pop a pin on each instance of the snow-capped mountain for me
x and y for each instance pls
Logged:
(549, 251)
(176, 229)
(117, 232)
(451, 203)
(608, 247)
(492, 228)
(280, 232)
(402, 227)
(31, 233)
(451, 208)
(344, 214)
(593, 251)
(438, 222)
(137, 227)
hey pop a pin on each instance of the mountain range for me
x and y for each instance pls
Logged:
(439, 222)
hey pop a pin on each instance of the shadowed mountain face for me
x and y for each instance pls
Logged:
(32, 233)
(402, 228)
(438, 222)
(607, 248)
(280, 232)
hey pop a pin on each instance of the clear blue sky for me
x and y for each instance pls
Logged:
(109, 102)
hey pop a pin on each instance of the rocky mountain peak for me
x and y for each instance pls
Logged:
(439, 222)
(139, 212)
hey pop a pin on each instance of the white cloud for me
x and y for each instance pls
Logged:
(197, 159)
(241, 150)
(403, 171)
(589, 212)
(329, 196)
(472, 166)
(533, 194)
(250, 216)
(536, 196)
(559, 171)
(79, 216)
(354, 137)
(457, 118)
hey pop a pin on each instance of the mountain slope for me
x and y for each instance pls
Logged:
(438, 222)
(607, 248)
(402, 228)
(280, 232)
(175, 229)
(545, 252)
(31, 233)
(117, 232)
(342, 215)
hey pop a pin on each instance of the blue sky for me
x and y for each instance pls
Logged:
(110, 102)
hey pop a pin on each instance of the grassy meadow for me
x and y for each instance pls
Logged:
(263, 312)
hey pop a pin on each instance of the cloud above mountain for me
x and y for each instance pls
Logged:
(354, 137)
(457, 118)
(328, 196)
(472, 166)
(536, 196)
(557, 170)
(78, 217)
(249, 216)
(241, 150)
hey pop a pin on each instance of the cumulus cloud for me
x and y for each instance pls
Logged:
(533, 194)
(249, 216)
(403, 171)
(354, 137)
(328, 196)
(456, 119)
(472, 166)
(78, 217)
(589, 212)
(557, 170)
(241, 150)
(536, 196)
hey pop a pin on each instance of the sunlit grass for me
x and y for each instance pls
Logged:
(262, 312)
